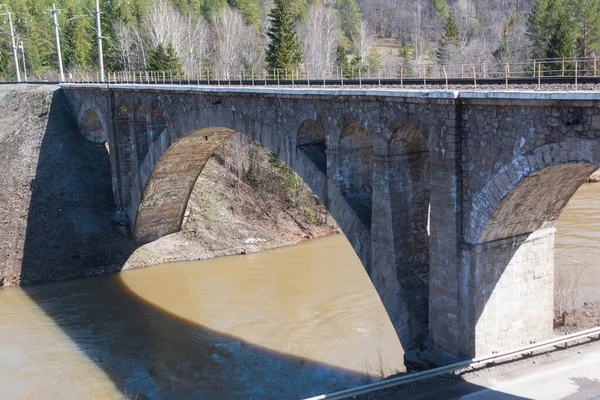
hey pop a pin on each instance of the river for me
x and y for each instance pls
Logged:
(577, 247)
(285, 323)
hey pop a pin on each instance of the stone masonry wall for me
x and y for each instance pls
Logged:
(512, 283)
(495, 167)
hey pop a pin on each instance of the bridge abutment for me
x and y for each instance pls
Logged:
(511, 292)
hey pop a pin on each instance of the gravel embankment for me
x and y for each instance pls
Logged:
(57, 209)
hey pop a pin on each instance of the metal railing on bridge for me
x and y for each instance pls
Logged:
(574, 71)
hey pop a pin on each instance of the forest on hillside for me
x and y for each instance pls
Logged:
(326, 35)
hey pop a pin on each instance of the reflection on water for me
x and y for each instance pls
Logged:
(578, 240)
(287, 323)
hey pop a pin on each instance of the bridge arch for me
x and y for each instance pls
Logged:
(157, 119)
(170, 184)
(510, 260)
(170, 152)
(354, 169)
(312, 141)
(503, 186)
(92, 126)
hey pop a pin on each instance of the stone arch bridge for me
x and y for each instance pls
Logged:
(493, 170)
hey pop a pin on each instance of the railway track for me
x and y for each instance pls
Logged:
(550, 82)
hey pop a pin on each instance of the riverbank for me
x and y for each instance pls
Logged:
(586, 316)
(57, 208)
(228, 216)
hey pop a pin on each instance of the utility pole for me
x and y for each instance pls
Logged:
(98, 28)
(60, 65)
(23, 53)
(12, 37)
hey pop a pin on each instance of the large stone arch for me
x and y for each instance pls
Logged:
(172, 180)
(508, 257)
(92, 126)
(354, 169)
(509, 176)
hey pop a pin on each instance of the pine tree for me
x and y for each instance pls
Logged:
(341, 60)
(165, 59)
(540, 23)
(406, 55)
(350, 17)
(440, 8)
(251, 11)
(285, 48)
(78, 39)
(448, 42)
(587, 18)
(503, 51)
(562, 39)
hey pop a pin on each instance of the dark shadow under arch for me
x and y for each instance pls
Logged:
(140, 131)
(354, 169)
(312, 141)
(157, 120)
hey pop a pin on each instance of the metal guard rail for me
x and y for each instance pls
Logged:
(388, 383)
(527, 70)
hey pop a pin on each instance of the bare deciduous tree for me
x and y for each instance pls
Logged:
(124, 42)
(163, 25)
(320, 34)
(196, 44)
(363, 41)
(235, 43)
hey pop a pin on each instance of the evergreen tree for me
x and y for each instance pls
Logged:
(373, 59)
(251, 11)
(285, 48)
(440, 8)
(350, 17)
(406, 55)
(587, 18)
(562, 39)
(78, 36)
(7, 70)
(209, 7)
(165, 59)
(540, 24)
(341, 60)
(503, 52)
(449, 41)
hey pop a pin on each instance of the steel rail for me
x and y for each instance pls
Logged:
(472, 363)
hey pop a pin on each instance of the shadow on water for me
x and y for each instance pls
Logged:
(142, 348)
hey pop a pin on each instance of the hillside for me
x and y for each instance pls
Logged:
(56, 206)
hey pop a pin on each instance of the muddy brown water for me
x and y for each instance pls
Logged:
(577, 246)
(286, 323)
